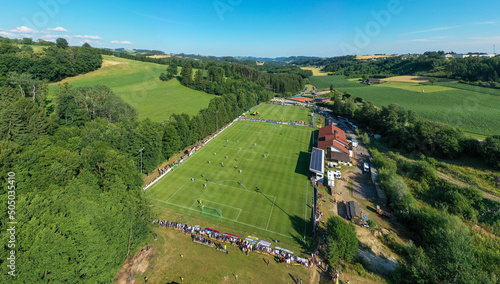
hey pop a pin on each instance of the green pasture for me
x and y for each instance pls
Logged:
(137, 83)
(324, 82)
(473, 109)
(415, 87)
(274, 197)
(282, 113)
(490, 91)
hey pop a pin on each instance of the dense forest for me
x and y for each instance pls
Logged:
(225, 78)
(53, 63)
(471, 69)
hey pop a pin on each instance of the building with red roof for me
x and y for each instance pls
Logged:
(333, 140)
(302, 99)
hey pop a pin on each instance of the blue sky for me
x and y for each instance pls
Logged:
(261, 28)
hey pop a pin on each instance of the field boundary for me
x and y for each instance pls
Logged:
(245, 224)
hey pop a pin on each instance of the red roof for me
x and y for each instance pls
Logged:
(302, 99)
(332, 136)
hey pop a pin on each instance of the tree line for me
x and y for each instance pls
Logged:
(467, 70)
(54, 63)
(228, 78)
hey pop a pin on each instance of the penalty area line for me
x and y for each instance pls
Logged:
(253, 226)
(178, 190)
(270, 214)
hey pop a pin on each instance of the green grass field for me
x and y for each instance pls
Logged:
(274, 198)
(36, 48)
(137, 83)
(324, 82)
(475, 112)
(282, 113)
(414, 87)
(478, 89)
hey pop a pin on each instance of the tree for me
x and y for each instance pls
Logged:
(186, 74)
(198, 79)
(172, 70)
(62, 43)
(432, 80)
(342, 241)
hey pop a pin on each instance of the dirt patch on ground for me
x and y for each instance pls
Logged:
(379, 258)
(463, 184)
(135, 264)
(408, 79)
(106, 63)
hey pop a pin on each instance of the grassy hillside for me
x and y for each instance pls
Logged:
(36, 48)
(138, 84)
(474, 110)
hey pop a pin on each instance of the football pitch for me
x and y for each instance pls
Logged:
(255, 173)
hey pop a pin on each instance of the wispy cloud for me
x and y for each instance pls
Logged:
(432, 30)
(449, 28)
(121, 42)
(6, 33)
(24, 30)
(430, 39)
(57, 29)
(73, 36)
(491, 39)
(88, 36)
(484, 23)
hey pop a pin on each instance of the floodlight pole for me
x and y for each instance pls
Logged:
(142, 149)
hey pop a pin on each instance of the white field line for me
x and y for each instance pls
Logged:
(178, 190)
(194, 203)
(238, 216)
(270, 214)
(253, 226)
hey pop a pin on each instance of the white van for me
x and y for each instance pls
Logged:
(366, 167)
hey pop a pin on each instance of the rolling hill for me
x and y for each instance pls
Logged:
(137, 83)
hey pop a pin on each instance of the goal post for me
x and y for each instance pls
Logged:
(211, 212)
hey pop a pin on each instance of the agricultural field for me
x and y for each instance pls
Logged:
(316, 71)
(474, 112)
(365, 57)
(138, 84)
(324, 82)
(414, 87)
(270, 198)
(490, 91)
(282, 113)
